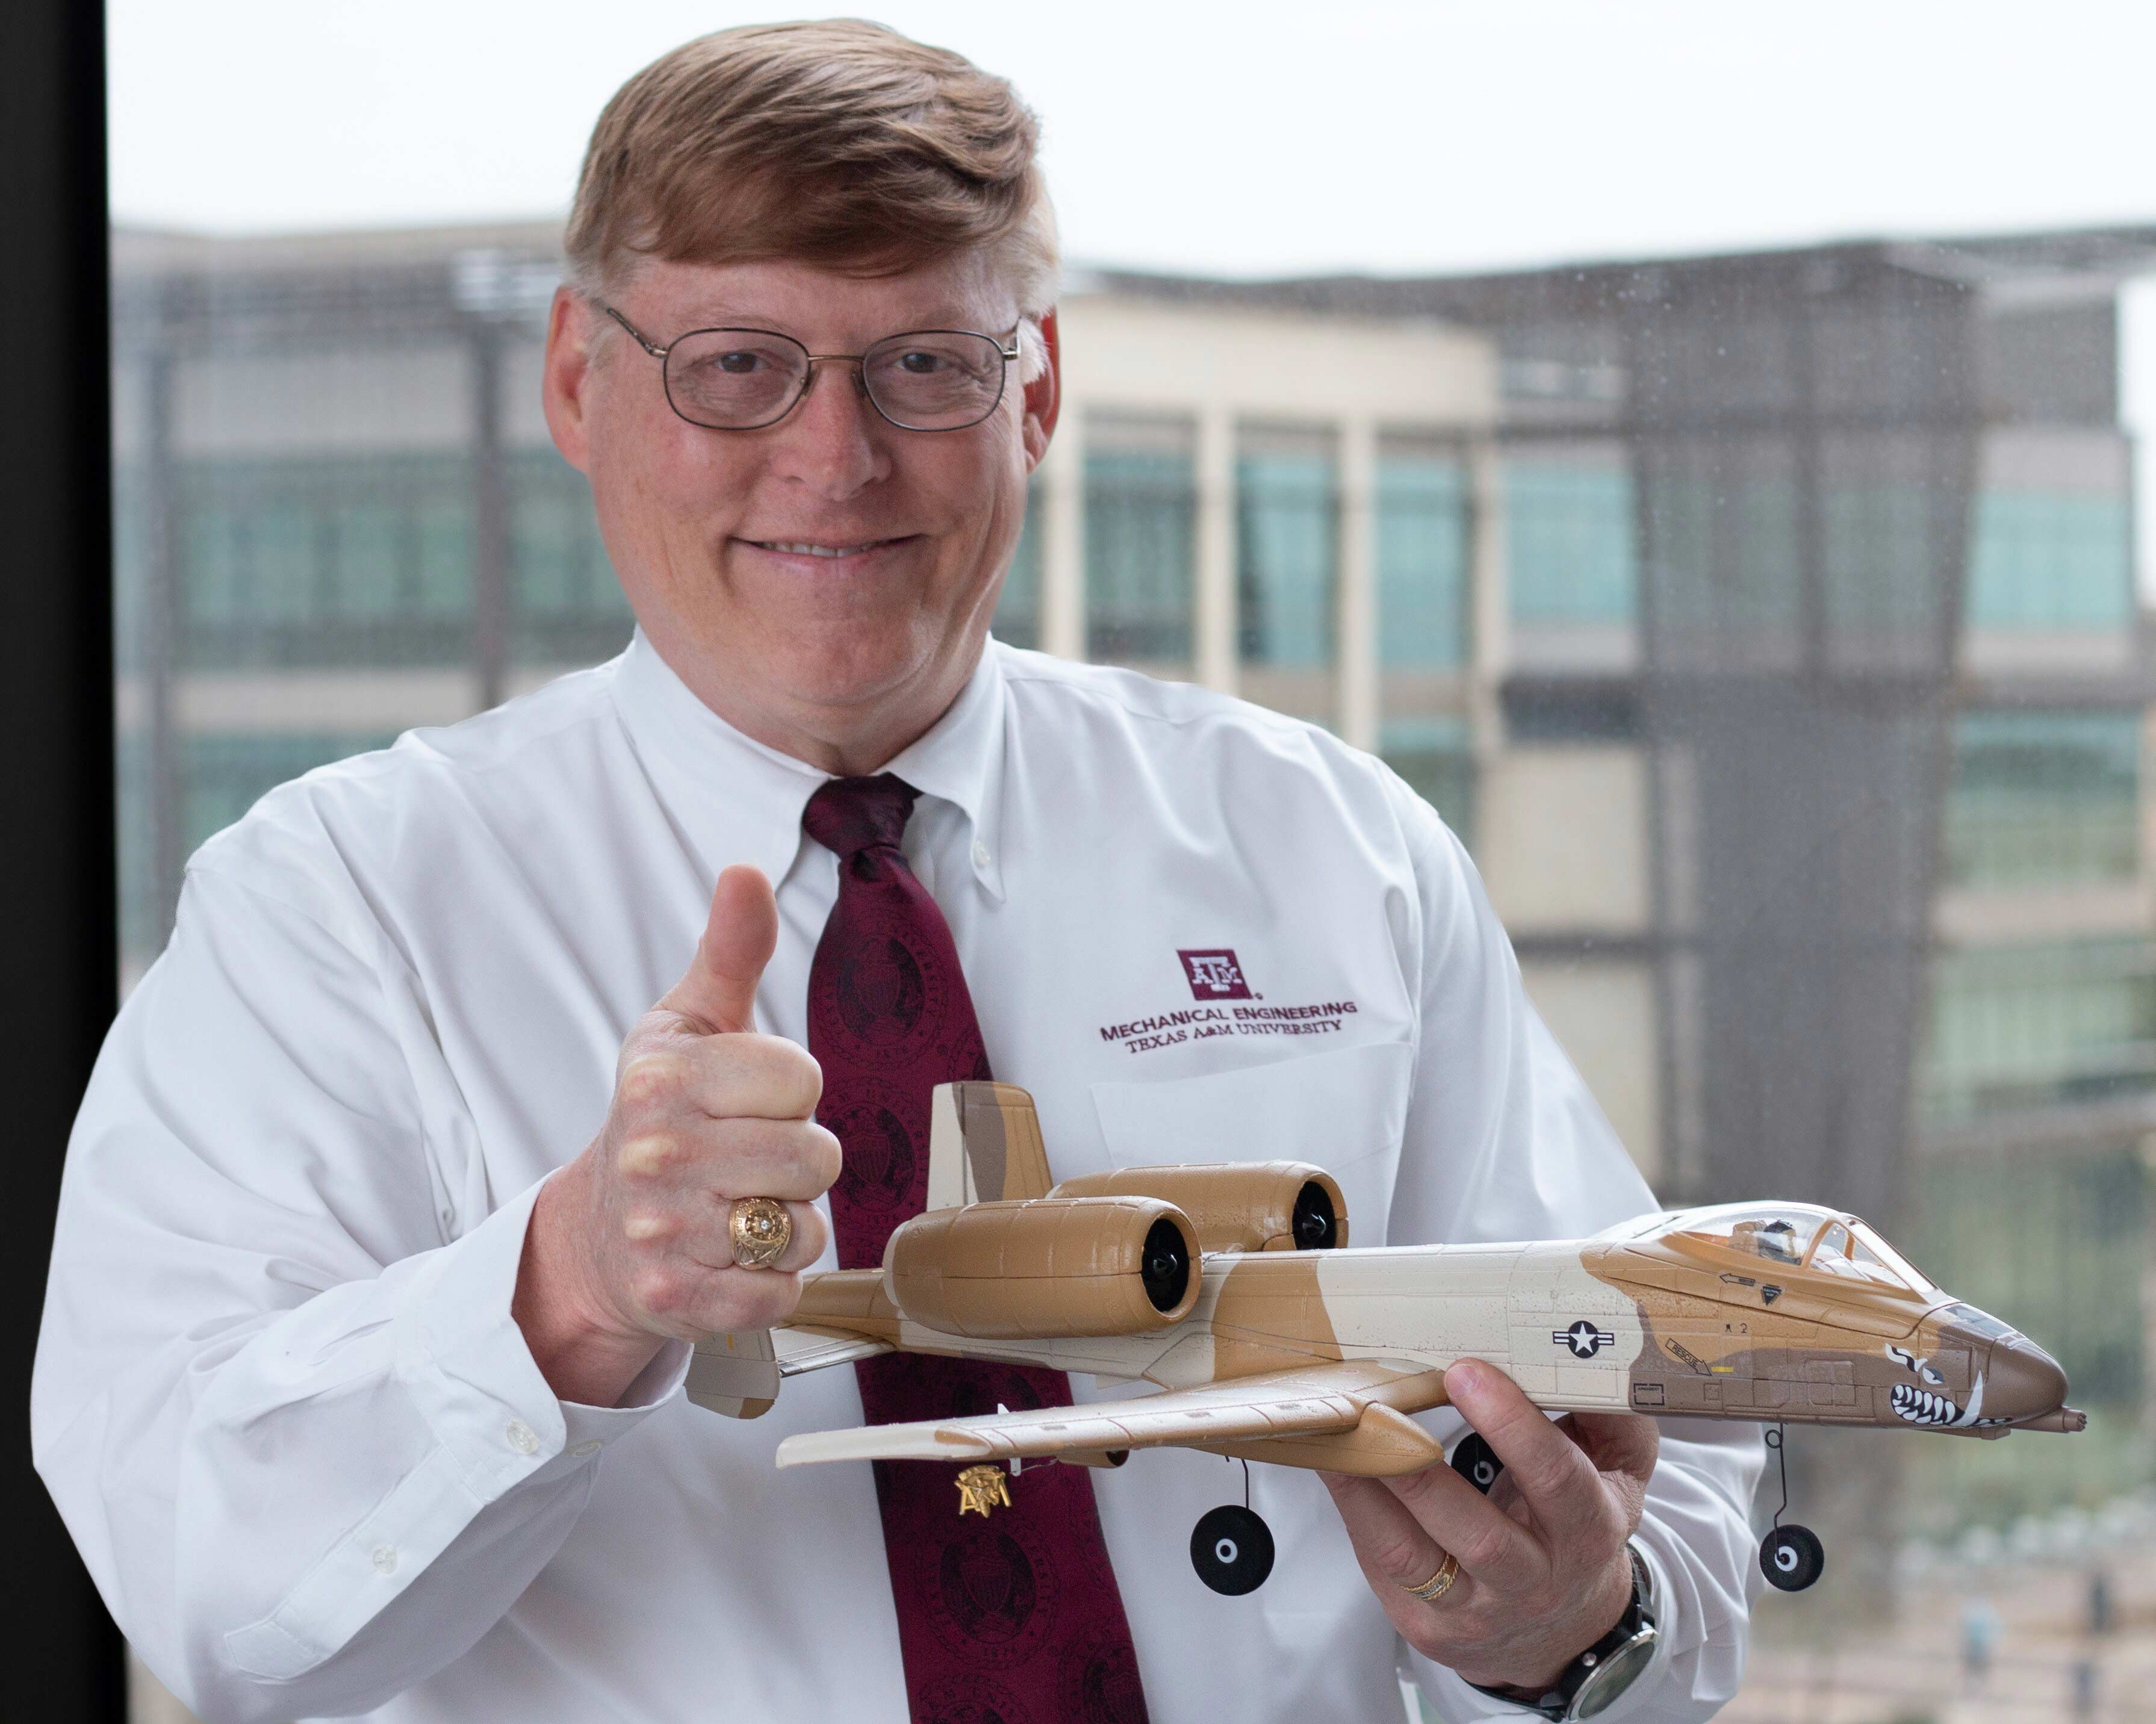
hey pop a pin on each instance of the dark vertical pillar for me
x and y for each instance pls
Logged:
(490, 619)
(159, 653)
(60, 1655)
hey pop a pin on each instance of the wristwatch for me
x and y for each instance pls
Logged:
(1591, 1683)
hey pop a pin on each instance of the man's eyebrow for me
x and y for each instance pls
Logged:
(734, 317)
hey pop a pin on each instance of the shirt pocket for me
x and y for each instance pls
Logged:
(1344, 1111)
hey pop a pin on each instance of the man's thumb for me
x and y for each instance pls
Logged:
(718, 992)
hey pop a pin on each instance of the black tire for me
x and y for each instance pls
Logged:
(1475, 1461)
(1232, 1549)
(1792, 1558)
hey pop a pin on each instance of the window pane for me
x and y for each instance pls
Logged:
(1018, 611)
(567, 606)
(2018, 1025)
(2044, 799)
(1287, 538)
(1422, 563)
(1568, 540)
(1141, 537)
(2051, 560)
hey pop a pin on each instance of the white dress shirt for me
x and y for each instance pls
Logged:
(279, 1396)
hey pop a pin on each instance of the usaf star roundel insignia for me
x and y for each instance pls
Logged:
(1583, 1338)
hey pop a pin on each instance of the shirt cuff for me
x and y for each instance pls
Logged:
(469, 1370)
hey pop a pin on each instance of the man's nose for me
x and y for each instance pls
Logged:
(832, 441)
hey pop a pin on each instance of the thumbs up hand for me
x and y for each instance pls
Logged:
(629, 1245)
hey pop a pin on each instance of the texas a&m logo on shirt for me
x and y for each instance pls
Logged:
(1214, 975)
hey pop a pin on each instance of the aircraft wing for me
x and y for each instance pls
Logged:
(1345, 1413)
(804, 1346)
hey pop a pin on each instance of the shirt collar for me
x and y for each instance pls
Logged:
(739, 800)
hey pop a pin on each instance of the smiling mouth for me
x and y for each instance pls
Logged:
(800, 547)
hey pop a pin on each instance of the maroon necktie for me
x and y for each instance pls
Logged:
(1012, 1618)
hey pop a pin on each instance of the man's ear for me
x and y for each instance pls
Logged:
(567, 375)
(1044, 396)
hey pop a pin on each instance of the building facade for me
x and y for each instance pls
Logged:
(1766, 624)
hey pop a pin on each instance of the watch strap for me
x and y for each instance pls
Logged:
(1556, 1704)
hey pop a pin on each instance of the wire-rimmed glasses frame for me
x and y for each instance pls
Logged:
(1006, 350)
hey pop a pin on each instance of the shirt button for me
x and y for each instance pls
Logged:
(523, 1438)
(981, 856)
(590, 1446)
(385, 1559)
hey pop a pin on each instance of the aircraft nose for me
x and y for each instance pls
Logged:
(2023, 1381)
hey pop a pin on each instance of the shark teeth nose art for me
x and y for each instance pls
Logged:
(1920, 1406)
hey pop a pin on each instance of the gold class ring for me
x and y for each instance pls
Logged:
(761, 1230)
(1440, 1584)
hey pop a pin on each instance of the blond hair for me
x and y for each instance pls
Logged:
(841, 144)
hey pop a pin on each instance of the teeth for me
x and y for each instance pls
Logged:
(819, 550)
(1920, 1406)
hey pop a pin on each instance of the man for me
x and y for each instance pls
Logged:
(396, 1199)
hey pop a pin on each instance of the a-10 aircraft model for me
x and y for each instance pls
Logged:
(1230, 1287)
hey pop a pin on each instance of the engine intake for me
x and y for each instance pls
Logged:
(1236, 1206)
(1045, 1267)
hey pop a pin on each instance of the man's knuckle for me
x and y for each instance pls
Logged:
(649, 1080)
(650, 1155)
(771, 1296)
(1484, 1547)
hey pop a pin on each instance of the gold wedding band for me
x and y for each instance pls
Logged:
(1440, 1584)
(761, 1230)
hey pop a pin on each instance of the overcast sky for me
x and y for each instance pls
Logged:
(1247, 136)
(1234, 138)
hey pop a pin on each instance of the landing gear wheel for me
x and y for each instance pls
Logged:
(1232, 1549)
(1475, 1461)
(1792, 1558)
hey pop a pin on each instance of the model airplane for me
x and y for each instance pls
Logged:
(1228, 1285)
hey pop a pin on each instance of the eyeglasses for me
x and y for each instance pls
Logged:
(744, 379)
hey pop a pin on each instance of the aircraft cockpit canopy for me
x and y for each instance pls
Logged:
(1800, 1236)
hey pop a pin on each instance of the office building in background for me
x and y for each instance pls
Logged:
(1766, 625)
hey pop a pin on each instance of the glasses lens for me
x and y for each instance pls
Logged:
(935, 379)
(734, 377)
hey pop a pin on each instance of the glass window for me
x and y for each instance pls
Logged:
(1854, 1252)
(2015, 1025)
(2044, 799)
(1140, 552)
(567, 606)
(1778, 1233)
(324, 559)
(1435, 756)
(1422, 562)
(1018, 610)
(2053, 1242)
(1569, 539)
(2051, 560)
(1288, 541)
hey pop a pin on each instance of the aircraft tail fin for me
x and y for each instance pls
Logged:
(984, 1145)
(736, 1375)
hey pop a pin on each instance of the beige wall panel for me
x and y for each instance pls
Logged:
(1128, 353)
(1562, 840)
(245, 702)
(389, 400)
(1975, 917)
(1602, 1015)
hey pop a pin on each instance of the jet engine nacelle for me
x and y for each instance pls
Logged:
(1236, 1206)
(1044, 1267)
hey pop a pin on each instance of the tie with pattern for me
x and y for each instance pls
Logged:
(1013, 1618)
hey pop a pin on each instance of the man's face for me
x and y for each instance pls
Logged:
(826, 579)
